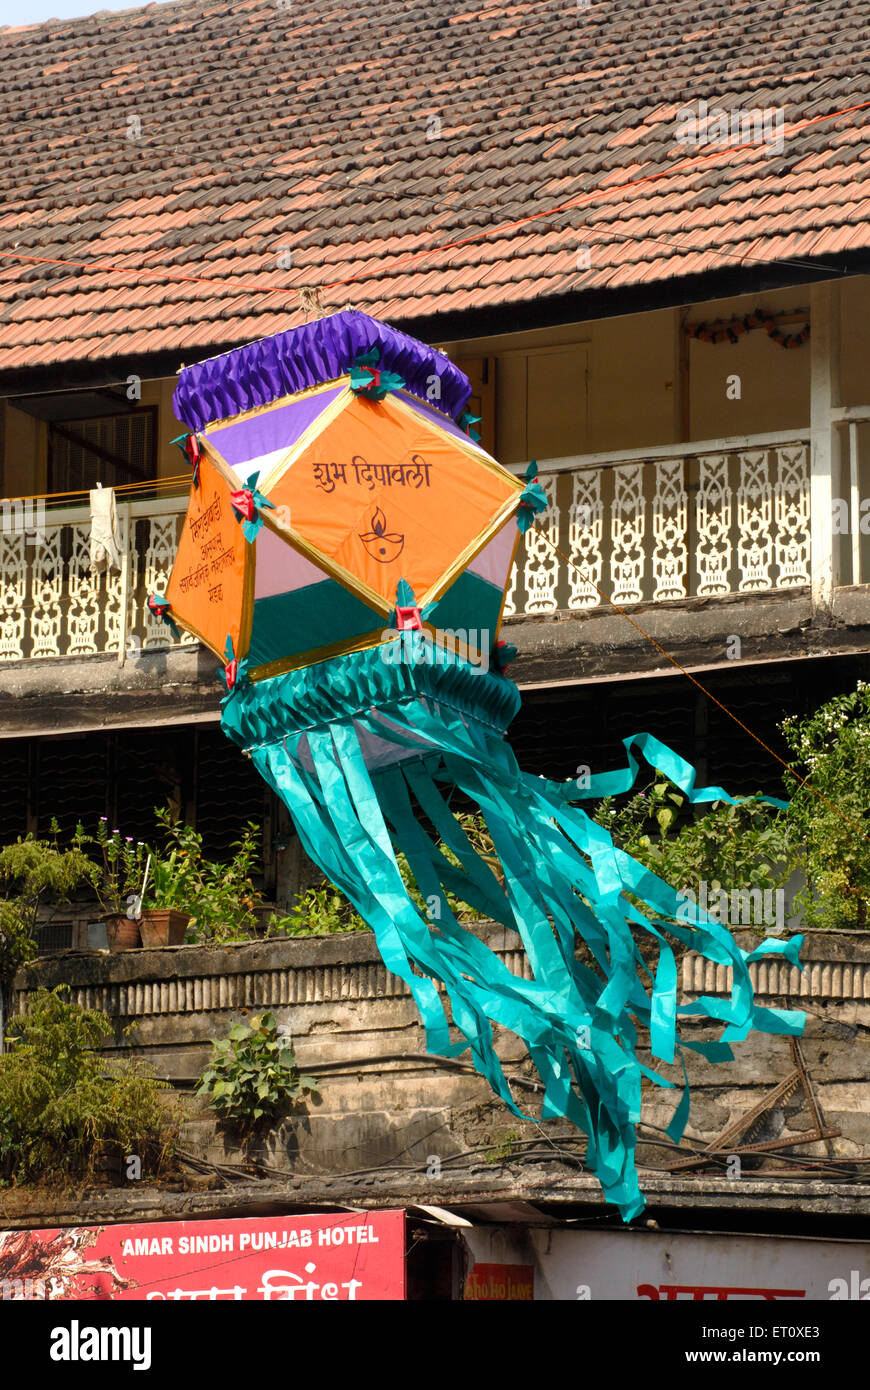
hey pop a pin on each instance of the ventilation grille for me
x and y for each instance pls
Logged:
(54, 936)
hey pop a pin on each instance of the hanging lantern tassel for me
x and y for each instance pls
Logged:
(189, 446)
(231, 670)
(374, 782)
(533, 499)
(159, 606)
(367, 379)
(247, 503)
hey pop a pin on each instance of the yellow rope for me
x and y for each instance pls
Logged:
(51, 497)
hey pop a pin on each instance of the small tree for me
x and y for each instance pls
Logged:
(252, 1076)
(32, 872)
(831, 751)
(62, 1102)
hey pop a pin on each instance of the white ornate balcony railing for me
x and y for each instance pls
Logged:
(720, 517)
(726, 516)
(52, 605)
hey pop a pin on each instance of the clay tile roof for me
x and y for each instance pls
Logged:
(238, 153)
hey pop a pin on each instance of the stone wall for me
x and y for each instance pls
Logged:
(384, 1101)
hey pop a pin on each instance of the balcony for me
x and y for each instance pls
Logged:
(717, 519)
(52, 605)
(700, 520)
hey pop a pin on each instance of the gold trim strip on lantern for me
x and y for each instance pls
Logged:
(315, 655)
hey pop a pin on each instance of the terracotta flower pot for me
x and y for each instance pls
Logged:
(122, 932)
(164, 926)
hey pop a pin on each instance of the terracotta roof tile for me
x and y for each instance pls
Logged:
(203, 140)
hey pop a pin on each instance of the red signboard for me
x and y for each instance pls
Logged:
(501, 1283)
(270, 1259)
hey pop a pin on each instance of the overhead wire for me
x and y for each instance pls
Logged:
(177, 481)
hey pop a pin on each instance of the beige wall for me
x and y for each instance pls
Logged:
(24, 469)
(774, 381)
(625, 391)
(170, 463)
(855, 341)
(593, 387)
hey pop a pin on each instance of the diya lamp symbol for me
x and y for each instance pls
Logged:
(383, 545)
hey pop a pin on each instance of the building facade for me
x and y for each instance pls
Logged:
(670, 314)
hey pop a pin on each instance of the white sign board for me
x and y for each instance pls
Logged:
(647, 1265)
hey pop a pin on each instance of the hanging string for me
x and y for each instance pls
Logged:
(178, 481)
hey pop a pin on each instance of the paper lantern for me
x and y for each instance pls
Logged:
(346, 552)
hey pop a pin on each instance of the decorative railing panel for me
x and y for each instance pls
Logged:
(53, 605)
(725, 517)
(696, 520)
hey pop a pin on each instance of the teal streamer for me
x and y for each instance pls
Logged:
(367, 754)
(659, 757)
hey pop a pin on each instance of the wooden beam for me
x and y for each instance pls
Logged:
(824, 442)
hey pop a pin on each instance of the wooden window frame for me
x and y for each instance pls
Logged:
(66, 429)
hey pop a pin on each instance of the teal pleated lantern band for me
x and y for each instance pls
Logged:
(365, 751)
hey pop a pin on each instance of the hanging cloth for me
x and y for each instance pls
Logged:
(105, 531)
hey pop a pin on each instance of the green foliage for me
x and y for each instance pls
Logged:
(324, 911)
(317, 912)
(219, 897)
(750, 845)
(831, 750)
(32, 873)
(503, 1143)
(252, 1075)
(63, 1105)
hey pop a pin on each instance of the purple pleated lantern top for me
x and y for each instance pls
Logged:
(270, 368)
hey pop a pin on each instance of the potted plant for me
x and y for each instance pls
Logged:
(219, 897)
(120, 868)
(163, 921)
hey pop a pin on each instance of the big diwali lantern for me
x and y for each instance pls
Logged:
(345, 553)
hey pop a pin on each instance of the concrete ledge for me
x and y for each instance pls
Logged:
(566, 646)
(836, 967)
(178, 685)
(384, 1103)
(55, 695)
(184, 979)
(483, 1185)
